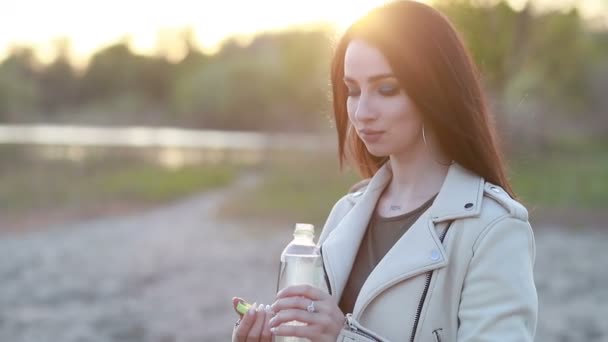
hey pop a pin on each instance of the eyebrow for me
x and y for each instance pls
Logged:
(370, 79)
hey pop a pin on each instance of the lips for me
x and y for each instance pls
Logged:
(370, 135)
(369, 131)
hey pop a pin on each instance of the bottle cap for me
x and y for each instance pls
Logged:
(304, 229)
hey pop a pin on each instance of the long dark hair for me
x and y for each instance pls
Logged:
(433, 66)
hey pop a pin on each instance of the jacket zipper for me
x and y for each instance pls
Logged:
(349, 320)
(429, 275)
(358, 331)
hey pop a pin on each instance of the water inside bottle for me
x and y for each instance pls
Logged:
(300, 264)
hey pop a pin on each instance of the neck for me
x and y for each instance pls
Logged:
(416, 176)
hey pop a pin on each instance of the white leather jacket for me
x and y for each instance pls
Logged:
(463, 272)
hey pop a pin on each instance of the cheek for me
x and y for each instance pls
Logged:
(351, 107)
(404, 121)
(400, 110)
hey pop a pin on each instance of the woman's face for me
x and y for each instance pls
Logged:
(380, 111)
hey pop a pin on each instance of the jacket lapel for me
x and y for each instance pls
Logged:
(341, 246)
(418, 251)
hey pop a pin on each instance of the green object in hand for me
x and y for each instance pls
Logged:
(242, 307)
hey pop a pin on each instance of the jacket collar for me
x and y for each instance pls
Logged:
(459, 197)
(417, 251)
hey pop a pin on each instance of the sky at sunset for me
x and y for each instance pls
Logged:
(90, 25)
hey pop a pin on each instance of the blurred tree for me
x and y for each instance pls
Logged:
(131, 83)
(193, 56)
(560, 69)
(304, 63)
(19, 90)
(58, 82)
(495, 34)
(596, 82)
(543, 70)
(228, 93)
(524, 62)
(154, 79)
(111, 71)
(278, 81)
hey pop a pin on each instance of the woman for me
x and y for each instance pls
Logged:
(433, 247)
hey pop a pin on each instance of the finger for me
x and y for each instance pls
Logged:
(312, 333)
(266, 333)
(297, 315)
(242, 331)
(256, 328)
(301, 303)
(308, 291)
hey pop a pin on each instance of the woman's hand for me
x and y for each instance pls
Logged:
(294, 303)
(254, 325)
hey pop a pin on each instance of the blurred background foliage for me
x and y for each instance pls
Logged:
(541, 69)
(546, 73)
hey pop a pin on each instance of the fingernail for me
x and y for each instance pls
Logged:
(252, 310)
(261, 307)
(273, 330)
(267, 308)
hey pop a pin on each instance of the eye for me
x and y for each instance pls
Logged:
(389, 90)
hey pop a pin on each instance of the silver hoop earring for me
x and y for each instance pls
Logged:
(423, 135)
(425, 144)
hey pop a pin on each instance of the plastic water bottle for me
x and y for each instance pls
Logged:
(301, 263)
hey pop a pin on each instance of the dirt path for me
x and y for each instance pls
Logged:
(168, 275)
(164, 275)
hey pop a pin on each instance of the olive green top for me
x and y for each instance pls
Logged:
(382, 233)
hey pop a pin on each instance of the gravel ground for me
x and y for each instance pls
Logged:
(169, 275)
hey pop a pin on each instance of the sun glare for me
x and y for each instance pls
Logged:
(92, 25)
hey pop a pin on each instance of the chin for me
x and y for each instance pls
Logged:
(377, 151)
(385, 151)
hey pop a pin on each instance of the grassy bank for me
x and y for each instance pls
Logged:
(295, 188)
(304, 187)
(568, 178)
(570, 184)
(29, 186)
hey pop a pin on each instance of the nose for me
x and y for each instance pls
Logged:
(364, 110)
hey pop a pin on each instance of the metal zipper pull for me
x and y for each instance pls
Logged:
(437, 335)
(349, 322)
(353, 328)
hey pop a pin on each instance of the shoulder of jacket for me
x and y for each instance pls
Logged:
(357, 189)
(502, 204)
(500, 214)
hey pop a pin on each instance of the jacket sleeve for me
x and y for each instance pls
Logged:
(499, 300)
